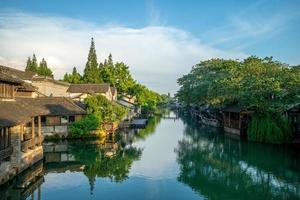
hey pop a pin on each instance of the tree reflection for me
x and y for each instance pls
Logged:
(219, 167)
(107, 159)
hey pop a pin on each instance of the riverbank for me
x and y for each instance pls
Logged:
(177, 156)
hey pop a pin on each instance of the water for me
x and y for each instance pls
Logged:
(170, 159)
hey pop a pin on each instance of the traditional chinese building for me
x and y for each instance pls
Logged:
(78, 92)
(235, 120)
(20, 131)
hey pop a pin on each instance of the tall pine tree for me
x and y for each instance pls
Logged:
(34, 64)
(91, 71)
(43, 69)
(31, 65)
(28, 65)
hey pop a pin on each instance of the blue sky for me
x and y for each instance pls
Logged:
(160, 40)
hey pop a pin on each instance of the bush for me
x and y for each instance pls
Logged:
(269, 128)
(105, 110)
(84, 126)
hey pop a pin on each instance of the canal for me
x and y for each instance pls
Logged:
(173, 158)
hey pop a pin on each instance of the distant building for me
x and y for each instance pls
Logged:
(114, 93)
(293, 113)
(129, 98)
(50, 87)
(78, 92)
(44, 86)
(235, 120)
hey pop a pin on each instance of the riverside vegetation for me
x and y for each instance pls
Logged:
(263, 86)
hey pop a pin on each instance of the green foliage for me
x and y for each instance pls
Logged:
(75, 77)
(263, 85)
(42, 69)
(91, 71)
(118, 75)
(84, 126)
(105, 110)
(31, 65)
(270, 129)
(148, 99)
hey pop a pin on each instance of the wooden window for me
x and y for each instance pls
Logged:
(4, 138)
(71, 118)
(43, 120)
(64, 119)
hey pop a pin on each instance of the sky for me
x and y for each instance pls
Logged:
(160, 40)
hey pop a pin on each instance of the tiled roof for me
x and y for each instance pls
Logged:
(9, 79)
(13, 113)
(89, 88)
(45, 78)
(16, 73)
(55, 106)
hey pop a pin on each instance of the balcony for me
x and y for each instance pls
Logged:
(5, 153)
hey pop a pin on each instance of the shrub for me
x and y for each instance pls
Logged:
(105, 110)
(84, 126)
(269, 128)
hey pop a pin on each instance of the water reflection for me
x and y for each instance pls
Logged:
(111, 158)
(219, 167)
(25, 185)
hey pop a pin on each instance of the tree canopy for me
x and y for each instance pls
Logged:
(118, 75)
(42, 69)
(254, 83)
(91, 71)
(261, 85)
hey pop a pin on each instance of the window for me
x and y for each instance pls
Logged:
(43, 120)
(71, 118)
(64, 120)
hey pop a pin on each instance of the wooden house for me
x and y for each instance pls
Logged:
(114, 93)
(50, 87)
(78, 92)
(20, 131)
(235, 120)
(56, 113)
(293, 113)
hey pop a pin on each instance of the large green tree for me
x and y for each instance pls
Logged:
(262, 85)
(91, 71)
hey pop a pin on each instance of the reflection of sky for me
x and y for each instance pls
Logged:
(158, 159)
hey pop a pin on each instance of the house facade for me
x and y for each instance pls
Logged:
(56, 113)
(50, 87)
(235, 120)
(79, 92)
(20, 131)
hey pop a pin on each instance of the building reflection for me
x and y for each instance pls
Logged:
(26, 185)
(109, 158)
(220, 167)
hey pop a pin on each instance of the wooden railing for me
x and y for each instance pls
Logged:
(27, 136)
(39, 140)
(5, 153)
(25, 145)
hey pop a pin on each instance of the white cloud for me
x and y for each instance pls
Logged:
(157, 55)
